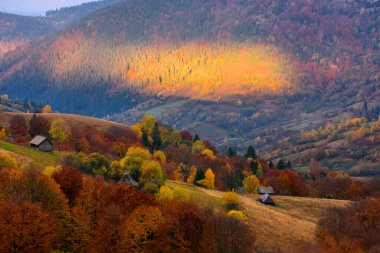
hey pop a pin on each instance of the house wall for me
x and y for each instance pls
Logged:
(46, 146)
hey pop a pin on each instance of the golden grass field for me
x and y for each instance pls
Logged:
(71, 119)
(287, 225)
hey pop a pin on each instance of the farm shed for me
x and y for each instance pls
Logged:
(42, 143)
(266, 199)
(265, 190)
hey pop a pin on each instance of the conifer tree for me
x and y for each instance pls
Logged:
(231, 152)
(281, 165)
(156, 136)
(196, 138)
(251, 153)
(270, 165)
(144, 138)
(289, 165)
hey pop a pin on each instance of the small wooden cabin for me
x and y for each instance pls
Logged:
(265, 190)
(266, 199)
(126, 178)
(42, 143)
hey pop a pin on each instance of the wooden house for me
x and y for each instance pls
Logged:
(266, 199)
(265, 190)
(126, 178)
(42, 143)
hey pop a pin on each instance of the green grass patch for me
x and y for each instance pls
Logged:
(157, 111)
(194, 193)
(39, 159)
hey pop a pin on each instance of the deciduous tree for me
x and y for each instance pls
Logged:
(209, 180)
(18, 125)
(251, 184)
(59, 131)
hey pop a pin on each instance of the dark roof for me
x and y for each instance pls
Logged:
(37, 140)
(128, 179)
(265, 190)
(266, 199)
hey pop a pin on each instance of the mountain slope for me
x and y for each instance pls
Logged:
(67, 15)
(16, 30)
(245, 69)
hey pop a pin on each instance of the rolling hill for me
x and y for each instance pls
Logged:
(248, 70)
(71, 119)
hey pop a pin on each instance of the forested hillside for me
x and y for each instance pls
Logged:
(248, 67)
(17, 30)
(67, 15)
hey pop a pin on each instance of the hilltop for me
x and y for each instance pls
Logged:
(71, 119)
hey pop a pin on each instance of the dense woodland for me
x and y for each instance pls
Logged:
(137, 54)
(70, 207)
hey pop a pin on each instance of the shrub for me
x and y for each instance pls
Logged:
(165, 193)
(151, 188)
(7, 161)
(236, 214)
(231, 200)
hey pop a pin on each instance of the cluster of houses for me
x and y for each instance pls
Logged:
(264, 191)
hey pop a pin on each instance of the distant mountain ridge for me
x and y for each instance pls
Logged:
(259, 70)
(68, 15)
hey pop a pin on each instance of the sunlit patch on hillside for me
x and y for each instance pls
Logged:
(194, 69)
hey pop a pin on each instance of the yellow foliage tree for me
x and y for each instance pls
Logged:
(49, 170)
(160, 156)
(231, 200)
(192, 174)
(198, 147)
(209, 153)
(60, 130)
(147, 123)
(3, 134)
(152, 173)
(139, 227)
(137, 129)
(259, 172)
(209, 180)
(134, 160)
(251, 184)
(47, 109)
(165, 193)
(236, 214)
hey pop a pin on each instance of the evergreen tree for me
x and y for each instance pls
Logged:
(365, 109)
(271, 166)
(251, 153)
(281, 165)
(199, 175)
(231, 152)
(254, 165)
(144, 138)
(156, 136)
(196, 138)
(289, 165)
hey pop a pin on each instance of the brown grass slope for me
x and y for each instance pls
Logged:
(286, 226)
(71, 119)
